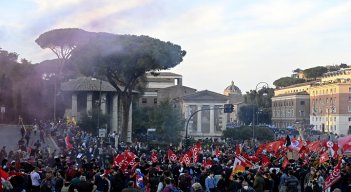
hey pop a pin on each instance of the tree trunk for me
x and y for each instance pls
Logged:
(126, 102)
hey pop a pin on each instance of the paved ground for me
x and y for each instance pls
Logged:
(10, 135)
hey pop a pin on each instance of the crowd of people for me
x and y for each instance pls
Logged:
(85, 163)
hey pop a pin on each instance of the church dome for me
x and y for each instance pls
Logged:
(232, 89)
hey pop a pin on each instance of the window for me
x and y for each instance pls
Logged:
(349, 98)
(349, 89)
(143, 100)
(349, 118)
(334, 118)
(302, 102)
(302, 113)
(349, 108)
(155, 100)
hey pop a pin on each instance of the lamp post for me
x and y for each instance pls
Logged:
(259, 86)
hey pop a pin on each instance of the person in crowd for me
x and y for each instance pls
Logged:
(84, 185)
(210, 183)
(35, 179)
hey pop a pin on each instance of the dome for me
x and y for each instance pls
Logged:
(232, 89)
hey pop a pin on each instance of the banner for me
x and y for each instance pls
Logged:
(171, 155)
(240, 163)
(333, 177)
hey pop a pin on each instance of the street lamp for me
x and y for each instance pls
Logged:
(259, 86)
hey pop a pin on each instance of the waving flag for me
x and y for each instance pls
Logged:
(274, 146)
(333, 177)
(260, 149)
(265, 161)
(240, 163)
(237, 150)
(186, 159)
(171, 155)
(323, 158)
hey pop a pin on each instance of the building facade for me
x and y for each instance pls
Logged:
(290, 109)
(154, 83)
(83, 96)
(328, 98)
(211, 120)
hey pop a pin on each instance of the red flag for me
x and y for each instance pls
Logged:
(265, 161)
(274, 146)
(154, 158)
(323, 158)
(186, 159)
(240, 163)
(69, 146)
(333, 177)
(314, 146)
(3, 174)
(285, 163)
(346, 148)
(171, 155)
(260, 149)
(296, 145)
(237, 150)
(196, 152)
(207, 164)
(119, 161)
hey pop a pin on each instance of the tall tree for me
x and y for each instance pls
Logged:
(62, 42)
(124, 60)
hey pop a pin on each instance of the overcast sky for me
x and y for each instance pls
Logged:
(245, 41)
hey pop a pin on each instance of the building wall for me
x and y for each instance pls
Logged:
(292, 89)
(289, 109)
(205, 124)
(331, 107)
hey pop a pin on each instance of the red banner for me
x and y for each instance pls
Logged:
(171, 155)
(333, 177)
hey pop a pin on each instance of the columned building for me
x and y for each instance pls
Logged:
(206, 123)
(83, 96)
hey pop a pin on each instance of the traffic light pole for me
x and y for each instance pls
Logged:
(195, 112)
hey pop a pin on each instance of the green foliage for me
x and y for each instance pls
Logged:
(245, 133)
(167, 120)
(63, 41)
(314, 72)
(343, 65)
(124, 60)
(246, 113)
(261, 102)
(287, 81)
(89, 122)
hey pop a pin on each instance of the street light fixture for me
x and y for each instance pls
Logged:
(260, 85)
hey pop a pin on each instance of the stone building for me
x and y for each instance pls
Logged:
(83, 95)
(156, 82)
(289, 109)
(206, 123)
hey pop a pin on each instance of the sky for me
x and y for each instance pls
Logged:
(226, 40)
